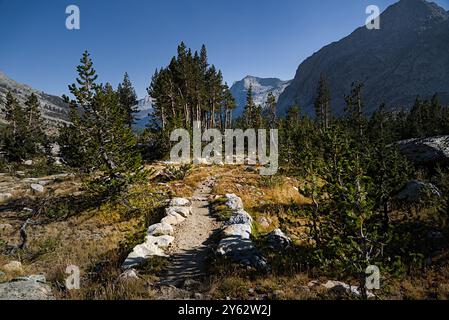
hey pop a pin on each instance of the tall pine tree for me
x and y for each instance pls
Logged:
(107, 140)
(128, 99)
(322, 104)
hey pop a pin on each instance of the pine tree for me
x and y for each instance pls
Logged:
(12, 111)
(229, 105)
(248, 112)
(34, 125)
(108, 144)
(128, 99)
(354, 108)
(15, 136)
(271, 111)
(322, 104)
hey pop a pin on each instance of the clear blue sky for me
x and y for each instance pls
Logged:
(244, 37)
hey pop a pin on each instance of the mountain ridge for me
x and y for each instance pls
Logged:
(261, 88)
(54, 109)
(396, 63)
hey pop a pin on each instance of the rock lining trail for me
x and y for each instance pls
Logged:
(194, 238)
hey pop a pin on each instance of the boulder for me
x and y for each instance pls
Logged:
(179, 202)
(242, 231)
(277, 240)
(240, 217)
(417, 191)
(37, 188)
(142, 253)
(242, 251)
(233, 202)
(160, 229)
(129, 274)
(5, 196)
(341, 287)
(428, 151)
(26, 288)
(13, 267)
(173, 219)
(161, 241)
(183, 211)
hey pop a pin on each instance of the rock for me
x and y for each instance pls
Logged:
(263, 222)
(160, 229)
(37, 188)
(416, 191)
(200, 198)
(5, 196)
(278, 294)
(130, 274)
(26, 288)
(44, 182)
(5, 228)
(313, 284)
(13, 267)
(234, 246)
(161, 241)
(277, 240)
(234, 203)
(173, 219)
(28, 162)
(242, 231)
(179, 202)
(198, 296)
(142, 253)
(183, 211)
(242, 251)
(428, 151)
(341, 287)
(241, 217)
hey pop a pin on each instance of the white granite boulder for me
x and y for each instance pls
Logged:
(179, 202)
(161, 241)
(173, 219)
(160, 229)
(240, 217)
(234, 202)
(37, 188)
(26, 288)
(242, 231)
(141, 253)
(277, 240)
(183, 211)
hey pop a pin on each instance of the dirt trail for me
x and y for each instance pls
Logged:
(193, 240)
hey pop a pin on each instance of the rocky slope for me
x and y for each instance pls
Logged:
(261, 88)
(406, 57)
(54, 110)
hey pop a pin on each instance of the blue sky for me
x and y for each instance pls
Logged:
(244, 37)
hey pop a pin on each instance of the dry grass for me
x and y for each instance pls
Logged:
(98, 239)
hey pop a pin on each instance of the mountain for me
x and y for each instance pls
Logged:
(143, 117)
(261, 88)
(54, 109)
(407, 57)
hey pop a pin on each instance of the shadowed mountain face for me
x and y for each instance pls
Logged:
(54, 109)
(261, 88)
(408, 56)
